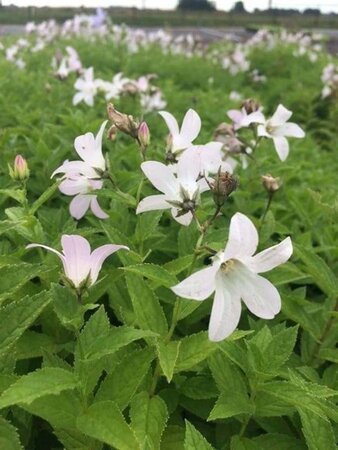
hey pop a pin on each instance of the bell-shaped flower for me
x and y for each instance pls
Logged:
(180, 192)
(180, 139)
(80, 187)
(278, 129)
(87, 87)
(233, 276)
(81, 266)
(241, 118)
(89, 148)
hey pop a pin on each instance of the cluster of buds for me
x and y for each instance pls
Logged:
(225, 133)
(271, 184)
(128, 125)
(222, 187)
(20, 170)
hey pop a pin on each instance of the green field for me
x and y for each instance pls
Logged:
(124, 363)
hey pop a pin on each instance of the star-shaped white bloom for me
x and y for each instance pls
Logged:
(182, 138)
(180, 191)
(233, 276)
(278, 129)
(87, 87)
(79, 263)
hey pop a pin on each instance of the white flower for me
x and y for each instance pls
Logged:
(79, 263)
(233, 276)
(87, 88)
(242, 119)
(180, 192)
(153, 101)
(182, 138)
(278, 128)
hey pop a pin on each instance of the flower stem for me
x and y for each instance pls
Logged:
(268, 204)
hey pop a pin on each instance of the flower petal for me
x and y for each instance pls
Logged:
(198, 286)
(188, 168)
(79, 206)
(226, 309)
(271, 257)
(281, 146)
(160, 176)
(98, 257)
(171, 122)
(289, 129)
(243, 238)
(76, 167)
(74, 186)
(185, 219)
(50, 249)
(76, 250)
(280, 116)
(260, 296)
(152, 203)
(254, 117)
(89, 148)
(191, 126)
(96, 208)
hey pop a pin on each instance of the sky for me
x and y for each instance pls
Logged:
(324, 5)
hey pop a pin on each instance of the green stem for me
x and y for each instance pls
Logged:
(268, 204)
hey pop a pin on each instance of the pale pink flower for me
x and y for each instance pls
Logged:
(79, 263)
(182, 138)
(278, 129)
(233, 276)
(242, 119)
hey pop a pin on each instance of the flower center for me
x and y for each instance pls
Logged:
(227, 265)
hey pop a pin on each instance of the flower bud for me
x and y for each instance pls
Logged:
(270, 183)
(112, 132)
(144, 135)
(250, 106)
(19, 171)
(123, 122)
(223, 185)
(224, 129)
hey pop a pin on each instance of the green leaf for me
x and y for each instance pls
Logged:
(193, 350)
(173, 438)
(38, 384)
(67, 307)
(167, 354)
(200, 387)
(321, 273)
(16, 194)
(33, 345)
(122, 383)
(149, 416)
(317, 431)
(73, 439)
(154, 273)
(9, 438)
(44, 197)
(329, 354)
(148, 311)
(241, 443)
(277, 441)
(105, 422)
(117, 337)
(16, 317)
(231, 404)
(194, 439)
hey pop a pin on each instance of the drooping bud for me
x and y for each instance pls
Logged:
(250, 106)
(144, 136)
(224, 129)
(112, 132)
(222, 187)
(20, 170)
(123, 122)
(270, 183)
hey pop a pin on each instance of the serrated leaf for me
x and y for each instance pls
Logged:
(148, 311)
(329, 354)
(242, 443)
(321, 273)
(277, 441)
(120, 385)
(194, 439)
(105, 422)
(231, 404)
(149, 416)
(200, 387)
(37, 384)
(16, 317)
(193, 350)
(154, 273)
(317, 431)
(9, 437)
(173, 438)
(167, 355)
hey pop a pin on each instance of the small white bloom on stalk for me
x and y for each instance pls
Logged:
(87, 87)
(233, 276)
(82, 177)
(81, 266)
(180, 193)
(278, 129)
(241, 118)
(180, 139)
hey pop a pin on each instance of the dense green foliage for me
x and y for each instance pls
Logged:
(112, 372)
